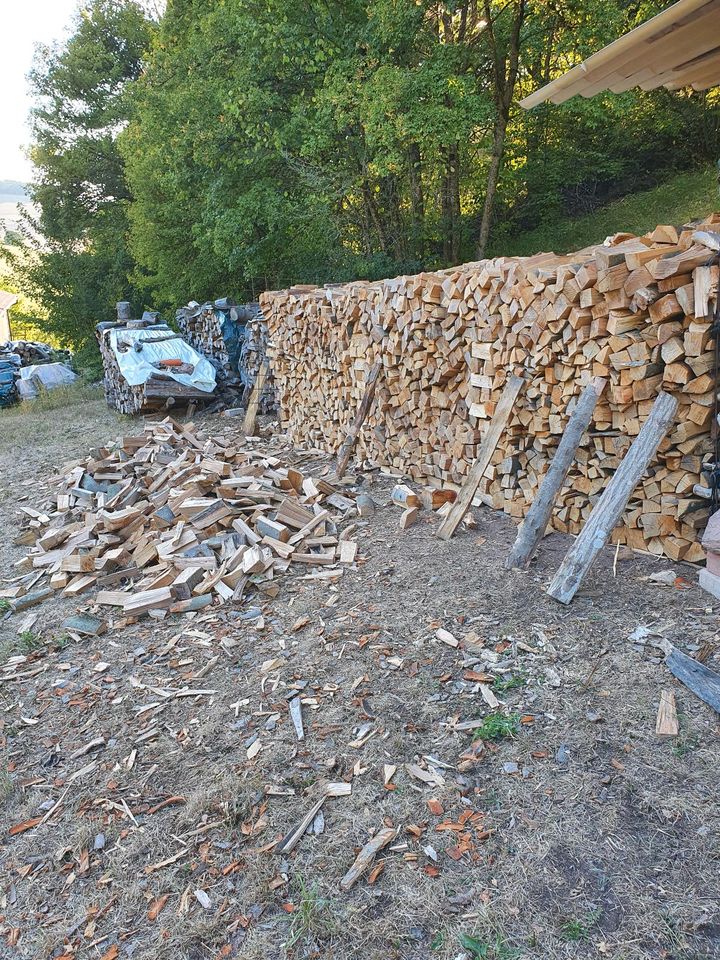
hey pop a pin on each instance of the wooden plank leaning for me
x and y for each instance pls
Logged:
(535, 524)
(254, 402)
(348, 445)
(609, 508)
(487, 448)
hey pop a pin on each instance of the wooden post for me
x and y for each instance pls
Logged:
(533, 527)
(259, 386)
(609, 508)
(487, 448)
(349, 444)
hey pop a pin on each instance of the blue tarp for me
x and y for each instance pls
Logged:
(9, 366)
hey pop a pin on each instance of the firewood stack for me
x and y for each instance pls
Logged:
(202, 326)
(234, 338)
(33, 352)
(159, 392)
(636, 310)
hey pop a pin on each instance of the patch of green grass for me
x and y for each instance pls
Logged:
(685, 197)
(312, 918)
(577, 929)
(498, 726)
(5, 605)
(685, 744)
(62, 640)
(61, 397)
(495, 949)
(29, 641)
(503, 684)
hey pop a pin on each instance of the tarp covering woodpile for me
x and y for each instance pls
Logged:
(151, 367)
(637, 311)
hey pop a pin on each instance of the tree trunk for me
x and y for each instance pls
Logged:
(375, 218)
(417, 200)
(451, 205)
(492, 182)
(454, 191)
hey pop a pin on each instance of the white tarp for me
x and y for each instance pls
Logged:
(137, 365)
(43, 375)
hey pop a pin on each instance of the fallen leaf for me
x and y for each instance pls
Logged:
(156, 906)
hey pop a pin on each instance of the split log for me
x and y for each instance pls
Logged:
(533, 528)
(349, 445)
(487, 449)
(613, 501)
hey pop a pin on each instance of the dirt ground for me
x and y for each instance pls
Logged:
(568, 830)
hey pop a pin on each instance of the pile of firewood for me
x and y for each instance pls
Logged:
(33, 352)
(202, 325)
(635, 310)
(166, 521)
(234, 338)
(159, 392)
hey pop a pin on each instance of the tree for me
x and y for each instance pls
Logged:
(76, 260)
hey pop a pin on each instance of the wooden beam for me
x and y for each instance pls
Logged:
(251, 415)
(533, 528)
(609, 508)
(349, 444)
(487, 448)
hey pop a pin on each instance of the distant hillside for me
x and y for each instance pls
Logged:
(12, 193)
(12, 190)
(688, 196)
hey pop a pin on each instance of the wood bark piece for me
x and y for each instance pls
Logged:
(610, 506)
(291, 840)
(251, 415)
(366, 856)
(704, 682)
(348, 446)
(487, 448)
(533, 529)
(666, 724)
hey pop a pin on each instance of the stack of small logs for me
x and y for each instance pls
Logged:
(170, 521)
(33, 352)
(204, 327)
(159, 392)
(636, 310)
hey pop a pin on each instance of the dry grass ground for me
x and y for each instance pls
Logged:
(575, 833)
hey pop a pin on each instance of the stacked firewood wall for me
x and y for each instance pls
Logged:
(637, 311)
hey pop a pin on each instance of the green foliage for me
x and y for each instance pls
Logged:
(29, 641)
(577, 929)
(313, 915)
(503, 684)
(75, 259)
(4, 605)
(498, 726)
(251, 144)
(684, 197)
(495, 949)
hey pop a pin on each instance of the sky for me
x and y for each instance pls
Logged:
(24, 24)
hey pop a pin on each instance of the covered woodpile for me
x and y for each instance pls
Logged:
(635, 310)
(149, 367)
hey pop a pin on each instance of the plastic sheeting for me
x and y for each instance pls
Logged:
(136, 365)
(45, 376)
